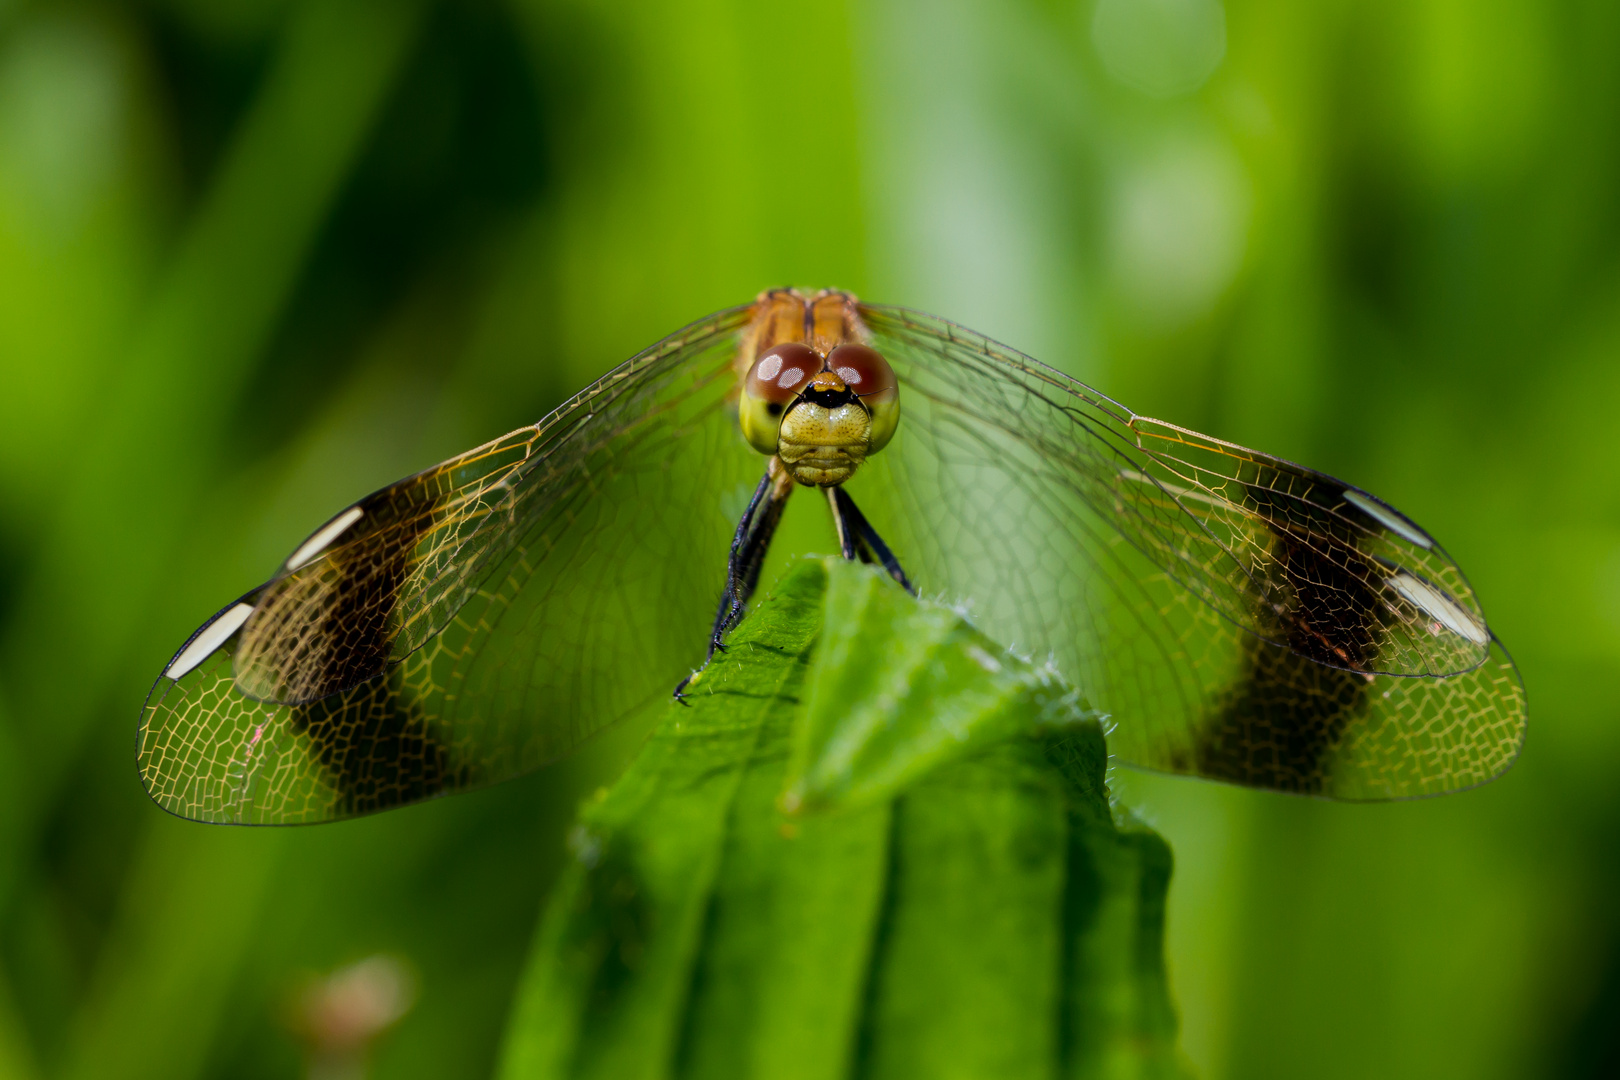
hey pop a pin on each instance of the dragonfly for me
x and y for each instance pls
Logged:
(1238, 617)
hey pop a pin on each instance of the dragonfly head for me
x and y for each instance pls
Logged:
(822, 415)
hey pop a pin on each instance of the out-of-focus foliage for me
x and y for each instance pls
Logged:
(961, 907)
(257, 258)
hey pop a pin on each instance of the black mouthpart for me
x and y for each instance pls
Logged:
(830, 399)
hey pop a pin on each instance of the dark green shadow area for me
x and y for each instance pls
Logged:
(950, 895)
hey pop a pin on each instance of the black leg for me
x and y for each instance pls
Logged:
(853, 524)
(754, 552)
(749, 546)
(734, 577)
(847, 542)
(748, 551)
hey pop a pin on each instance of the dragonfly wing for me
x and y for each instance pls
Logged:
(1242, 618)
(1326, 569)
(474, 621)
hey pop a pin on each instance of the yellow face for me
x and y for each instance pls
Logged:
(822, 406)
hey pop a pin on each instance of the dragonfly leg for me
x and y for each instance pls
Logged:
(749, 546)
(750, 557)
(848, 543)
(739, 540)
(856, 535)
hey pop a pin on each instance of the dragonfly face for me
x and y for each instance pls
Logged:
(1241, 617)
(813, 392)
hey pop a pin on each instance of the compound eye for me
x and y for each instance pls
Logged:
(771, 386)
(862, 368)
(781, 372)
(864, 371)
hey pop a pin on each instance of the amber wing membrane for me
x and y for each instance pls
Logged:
(1240, 617)
(476, 620)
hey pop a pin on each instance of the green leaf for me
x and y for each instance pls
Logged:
(902, 688)
(966, 904)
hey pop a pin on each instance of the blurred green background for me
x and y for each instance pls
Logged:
(259, 257)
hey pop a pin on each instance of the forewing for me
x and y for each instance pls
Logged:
(474, 621)
(1242, 618)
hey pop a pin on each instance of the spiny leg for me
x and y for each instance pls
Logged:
(752, 561)
(739, 541)
(857, 537)
(749, 546)
(848, 544)
(873, 541)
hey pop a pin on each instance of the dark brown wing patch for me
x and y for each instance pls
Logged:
(331, 624)
(1240, 617)
(472, 622)
(377, 748)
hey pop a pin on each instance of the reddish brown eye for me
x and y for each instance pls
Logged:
(862, 368)
(781, 372)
